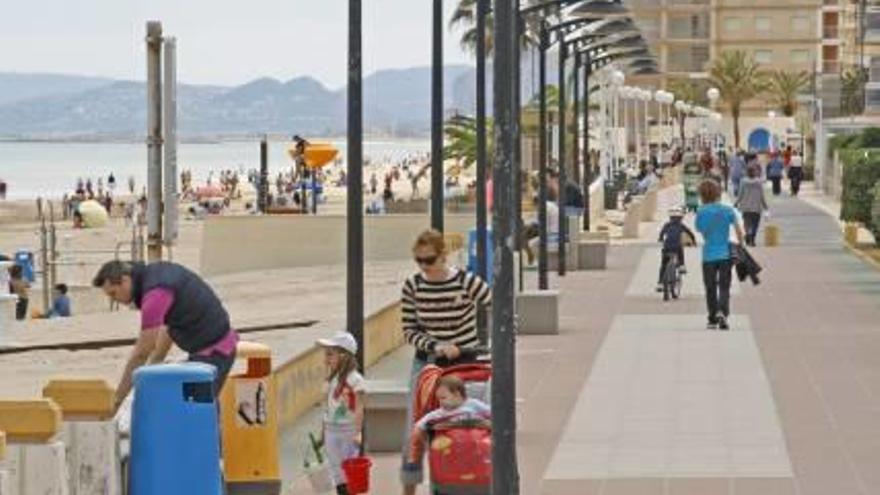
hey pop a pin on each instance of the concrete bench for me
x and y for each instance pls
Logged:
(538, 312)
(632, 218)
(592, 254)
(649, 206)
(385, 415)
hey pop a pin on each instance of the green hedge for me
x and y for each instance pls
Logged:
(875, 214)
(861, 171)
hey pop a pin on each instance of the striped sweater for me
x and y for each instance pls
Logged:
(443, 312)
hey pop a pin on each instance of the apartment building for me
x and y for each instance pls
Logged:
(781, 34)
(859, 25)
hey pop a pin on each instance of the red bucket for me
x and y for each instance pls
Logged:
(357, 474)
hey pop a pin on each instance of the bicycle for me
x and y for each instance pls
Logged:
(672, 278)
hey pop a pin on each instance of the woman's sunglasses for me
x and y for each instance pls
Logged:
(427, 261)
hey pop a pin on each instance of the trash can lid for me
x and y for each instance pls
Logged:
(176, 372)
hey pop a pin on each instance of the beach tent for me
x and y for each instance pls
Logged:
(93, 214)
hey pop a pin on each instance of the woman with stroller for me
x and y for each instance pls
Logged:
(439, 316)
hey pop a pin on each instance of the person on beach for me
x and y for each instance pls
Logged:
(2, 189)
(177, 307)
(751, 202)
(344, 407)
(60, 302)
(111, 182)
(19, 286)
(714, 221)
(131, 184)
(374, 183)
(439, 307)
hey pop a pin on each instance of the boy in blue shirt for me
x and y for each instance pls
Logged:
(714, 221)
(671, 236)
(60, 302)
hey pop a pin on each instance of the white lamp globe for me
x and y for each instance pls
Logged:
(618, 78)
(658, 96)
(771, 114)
(713, 94)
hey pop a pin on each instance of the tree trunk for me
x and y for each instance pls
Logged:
(734, 110)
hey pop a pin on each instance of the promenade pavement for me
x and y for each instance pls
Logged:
(635, 396)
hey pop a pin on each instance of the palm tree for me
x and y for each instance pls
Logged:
(784, 89)
(465, 15)
(688, 90)
(461, 140)
(738, 77)
(851, 95)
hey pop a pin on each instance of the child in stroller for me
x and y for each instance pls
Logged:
(457, 430)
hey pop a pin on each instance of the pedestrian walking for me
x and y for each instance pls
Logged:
(796, 173)
(737, 171)
(177, 307)
(714, 221)
(752, 203)
(343, 418)
(775, 171)
(439, 315)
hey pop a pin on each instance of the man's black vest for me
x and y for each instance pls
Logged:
(196, 319)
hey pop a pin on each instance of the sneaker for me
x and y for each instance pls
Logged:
(722, 323)
(659, 288)
(712, 325)
(682, 269)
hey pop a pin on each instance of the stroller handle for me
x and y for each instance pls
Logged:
(469, 355)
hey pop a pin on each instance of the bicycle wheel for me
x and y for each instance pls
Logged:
(676, 287)
(669, 280)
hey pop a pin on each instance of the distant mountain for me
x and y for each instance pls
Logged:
(395, 101)
(20, 87)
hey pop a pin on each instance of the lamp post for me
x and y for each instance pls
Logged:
(355, 219)
(617, 79)
(713, 94)
(437, 116)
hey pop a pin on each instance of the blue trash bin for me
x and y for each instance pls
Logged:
(175, 436)
(25, 259)
(472, 254)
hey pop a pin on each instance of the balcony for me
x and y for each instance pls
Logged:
(830, 32)
(831, 66)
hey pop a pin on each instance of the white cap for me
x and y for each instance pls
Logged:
(341, 339)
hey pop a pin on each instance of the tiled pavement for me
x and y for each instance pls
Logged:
(635, 397)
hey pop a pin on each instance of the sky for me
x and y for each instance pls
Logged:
(225, 42)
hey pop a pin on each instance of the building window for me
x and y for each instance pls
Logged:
(762, 24)
(732, 24)
(687, 58)
(874, 74)
(800, 24)
(688, 27)
(764, 56)
(800, 57)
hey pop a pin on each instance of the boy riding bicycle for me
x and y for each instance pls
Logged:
(671, 237)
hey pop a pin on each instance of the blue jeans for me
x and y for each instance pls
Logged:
(411, 474)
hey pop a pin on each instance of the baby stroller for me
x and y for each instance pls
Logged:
(460, 453)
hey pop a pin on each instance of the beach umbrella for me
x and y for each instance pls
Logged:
(316, 155)
(93, 214)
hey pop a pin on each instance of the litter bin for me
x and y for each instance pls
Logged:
(175, 438)
(249, 425)
(472, 254)
(25, 259)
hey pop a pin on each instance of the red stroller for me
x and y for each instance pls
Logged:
(459, 454)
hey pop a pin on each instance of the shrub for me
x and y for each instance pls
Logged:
(875, 214)
(861, 171)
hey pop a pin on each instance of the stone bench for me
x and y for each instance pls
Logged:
(632, 217)
(538, 312)
(649, 206)
(385, 415)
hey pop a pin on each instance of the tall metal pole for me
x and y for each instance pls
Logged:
(505, 475)
(263, 179)
(517, 149)
(588, 166)
(543, 283)
(482, 207)
(355, 219)
(576, 126)
(154, 141)
(563, 175)
(171, 210)
(437, 118)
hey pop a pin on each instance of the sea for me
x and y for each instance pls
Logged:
(52, 169)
